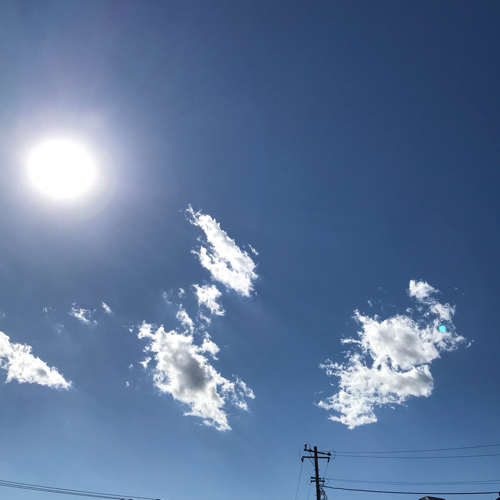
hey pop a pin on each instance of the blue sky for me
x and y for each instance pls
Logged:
(292, 198)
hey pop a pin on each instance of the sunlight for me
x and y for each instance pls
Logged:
(62, 168)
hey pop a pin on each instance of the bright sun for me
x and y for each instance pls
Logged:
(62, 168)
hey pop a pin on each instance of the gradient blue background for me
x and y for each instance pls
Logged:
(354, 144)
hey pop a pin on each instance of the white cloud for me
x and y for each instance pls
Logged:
(22, 366)
(184, 319)
(420, 290)
(183, 370)
(181, 292)
(207, 295)
(392, 360)
(253, 249)
(204, 318)
(83, 315)
(106, 308)
(145, 362)
(165, 296)
(225, 261)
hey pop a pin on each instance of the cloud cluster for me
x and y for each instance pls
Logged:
(181, 359)
(422, 291)
(83, 315)
(22, 366)
(391, 359)
(225, 261)
(207, 296)
(183, 370)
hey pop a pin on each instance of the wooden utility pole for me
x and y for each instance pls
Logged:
(316, 479)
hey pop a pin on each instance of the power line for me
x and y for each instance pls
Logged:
(420, 457)
(65, 491)
(413, 492)
(433, 483)
(300, 475)
(419, 451)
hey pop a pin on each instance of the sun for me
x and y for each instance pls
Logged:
(62, 168)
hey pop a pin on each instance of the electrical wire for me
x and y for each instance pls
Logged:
(433, 483)
(65, 491)
(300, 475)
(420, 457)
(419, 451)
(413, 492)
(326, 468)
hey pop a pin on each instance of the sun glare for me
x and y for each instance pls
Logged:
(62, 168)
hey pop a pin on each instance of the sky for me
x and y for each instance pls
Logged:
(290, 236)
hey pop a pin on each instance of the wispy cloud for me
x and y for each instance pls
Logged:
(184, 319)
(22, 366)
(184, 371)
(225, 261)
(166, 298)
(422, 291)
(253, 249)
(83, 315)
(207, 296)
(391, 358)
(106, 308)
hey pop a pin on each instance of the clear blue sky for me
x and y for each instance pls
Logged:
(332, 153)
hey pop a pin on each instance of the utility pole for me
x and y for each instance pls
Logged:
(316, 479)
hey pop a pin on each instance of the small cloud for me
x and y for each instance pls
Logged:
(145, 362)
(22, 366)
(106, 308)
(253, 250)
(207, 296)
(204, 318)
(370, 303)
(420, 290)
(184, 319)
(390, 360)
(225, 261)
(83, 315)
(127, 384)
(166, 296)
(469, 344)
(183, 370)
(181, 293)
